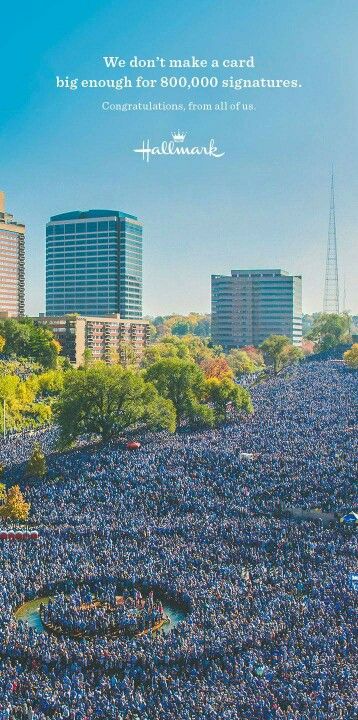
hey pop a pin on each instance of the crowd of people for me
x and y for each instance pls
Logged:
(87, 614)
(269, 631)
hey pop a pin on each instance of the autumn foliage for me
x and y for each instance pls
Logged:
(216, 367)
(14, 505)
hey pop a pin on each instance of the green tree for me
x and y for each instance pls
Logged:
(290, 355)
(25, 339)
(273, 347)
(183, 383)
(167, 347)
(106, 399)
(240, 362)
(23, 408)
(87, 358)
(224, 394)
(201, 350)
(16, 398)
(2, 343)
(36, 464)
(127, 354)
(50, 383)
(181, 327)
(14, 506)
(350, 357)
(330, 330)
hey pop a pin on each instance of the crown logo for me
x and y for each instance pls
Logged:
(178, 136)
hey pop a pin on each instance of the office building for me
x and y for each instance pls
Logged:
(108, 338)
(12, 264)
(94, 264)
(250, 305)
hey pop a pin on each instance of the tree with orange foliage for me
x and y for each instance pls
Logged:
(216, 367)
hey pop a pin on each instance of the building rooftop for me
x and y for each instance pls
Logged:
(84, 214)
(265, 271)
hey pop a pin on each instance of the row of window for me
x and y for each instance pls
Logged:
(81, 227)
(92, 227)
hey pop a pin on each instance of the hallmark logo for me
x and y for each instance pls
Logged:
(176, 147)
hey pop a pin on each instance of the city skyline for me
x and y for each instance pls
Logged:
(71, 215)
(265, 202)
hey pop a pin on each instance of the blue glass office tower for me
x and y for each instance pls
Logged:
(94, 264)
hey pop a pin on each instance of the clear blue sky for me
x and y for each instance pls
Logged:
(264, 204)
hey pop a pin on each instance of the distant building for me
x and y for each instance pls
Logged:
(104, 336)
(94, 264)
(250, 305)
(12, 264)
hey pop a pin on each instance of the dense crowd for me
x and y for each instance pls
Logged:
(271, 613)
(84, 613)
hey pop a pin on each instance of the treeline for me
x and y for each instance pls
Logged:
(24, 339)
(193, 324)
(182, 380)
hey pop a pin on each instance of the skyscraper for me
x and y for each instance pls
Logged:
(94, 264)
(12, 263)
(250, 305)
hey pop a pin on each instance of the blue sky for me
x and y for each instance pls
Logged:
(264, 204)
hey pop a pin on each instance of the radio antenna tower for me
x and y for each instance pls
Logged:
(331, 290)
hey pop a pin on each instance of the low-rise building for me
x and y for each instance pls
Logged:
(108, 338)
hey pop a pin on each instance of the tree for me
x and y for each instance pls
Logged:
(168, 347)
(2, 489)
(330, 330)
(2, 343)
(240, 362)
(25, 339)
(201, 349)
(273, 347)
(87, 358)
(106, 399)
(308, 346)
(224, 394)
(183, 383)
(255, 355)
(181, 325)
(50, 383)
(15, 506)
(290, 355)
(350, 357)
(127, 354)
(186, 348)
(123, 355)
(36, 465)
(216, 367)
(24, 404)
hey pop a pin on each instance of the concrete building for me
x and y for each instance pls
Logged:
(12, 263)
(250, 305)
(94, 264)
(104, 336)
